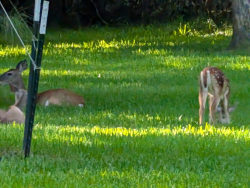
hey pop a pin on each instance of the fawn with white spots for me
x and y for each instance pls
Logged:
(214, 83)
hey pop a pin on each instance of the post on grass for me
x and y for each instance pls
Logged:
(34, 77)
(36, 22)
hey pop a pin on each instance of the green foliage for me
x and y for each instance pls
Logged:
(82, 13)
(140, 124)
(201, 27)
(182, 31)
(7, 32)
(148, 11)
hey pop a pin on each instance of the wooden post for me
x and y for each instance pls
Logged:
(35, 72)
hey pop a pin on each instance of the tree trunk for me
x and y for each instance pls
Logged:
(241, 24)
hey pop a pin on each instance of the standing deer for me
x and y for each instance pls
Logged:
(14, 114)
(214, 83)
(13, 77)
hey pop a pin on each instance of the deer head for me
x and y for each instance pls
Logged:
(13, 77)
(219, 110)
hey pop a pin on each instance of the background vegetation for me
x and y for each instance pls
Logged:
(140, 124)
(82, 13)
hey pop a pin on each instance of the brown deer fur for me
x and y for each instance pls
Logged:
(214, 83)
(14, 114)
(13, 77)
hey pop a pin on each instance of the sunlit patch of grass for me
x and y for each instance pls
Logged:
(139, 127)
(10, 51)
(208, 130)
(114, 155)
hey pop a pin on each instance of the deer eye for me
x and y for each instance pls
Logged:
(9, 74)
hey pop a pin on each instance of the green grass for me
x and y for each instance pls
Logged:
(140, 124)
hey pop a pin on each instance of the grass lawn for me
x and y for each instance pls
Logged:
(140, 124)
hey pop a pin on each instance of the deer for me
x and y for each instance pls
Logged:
(14, 113)
(214, 83)
(13, 78)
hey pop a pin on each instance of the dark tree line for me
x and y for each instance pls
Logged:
(82, 13)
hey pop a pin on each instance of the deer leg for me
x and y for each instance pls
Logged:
(213, 103)
(226, 118)
(202, 102)
(221, 112)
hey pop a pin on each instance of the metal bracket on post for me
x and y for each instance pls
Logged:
(34, 73)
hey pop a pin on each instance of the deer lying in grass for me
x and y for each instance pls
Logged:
(214, 83)
(14, 114)
(13, 77)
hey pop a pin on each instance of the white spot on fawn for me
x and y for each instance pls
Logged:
(80, 105)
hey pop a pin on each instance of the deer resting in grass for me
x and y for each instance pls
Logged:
(213, 83)
(14, 113)
(13, 77)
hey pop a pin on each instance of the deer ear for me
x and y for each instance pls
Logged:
(22, 66)
(231, 109)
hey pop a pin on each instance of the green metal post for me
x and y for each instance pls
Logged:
(34, 80)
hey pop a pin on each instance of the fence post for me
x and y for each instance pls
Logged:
(36, 54)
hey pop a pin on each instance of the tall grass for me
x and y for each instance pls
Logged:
(19, 21)
(140, 124)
